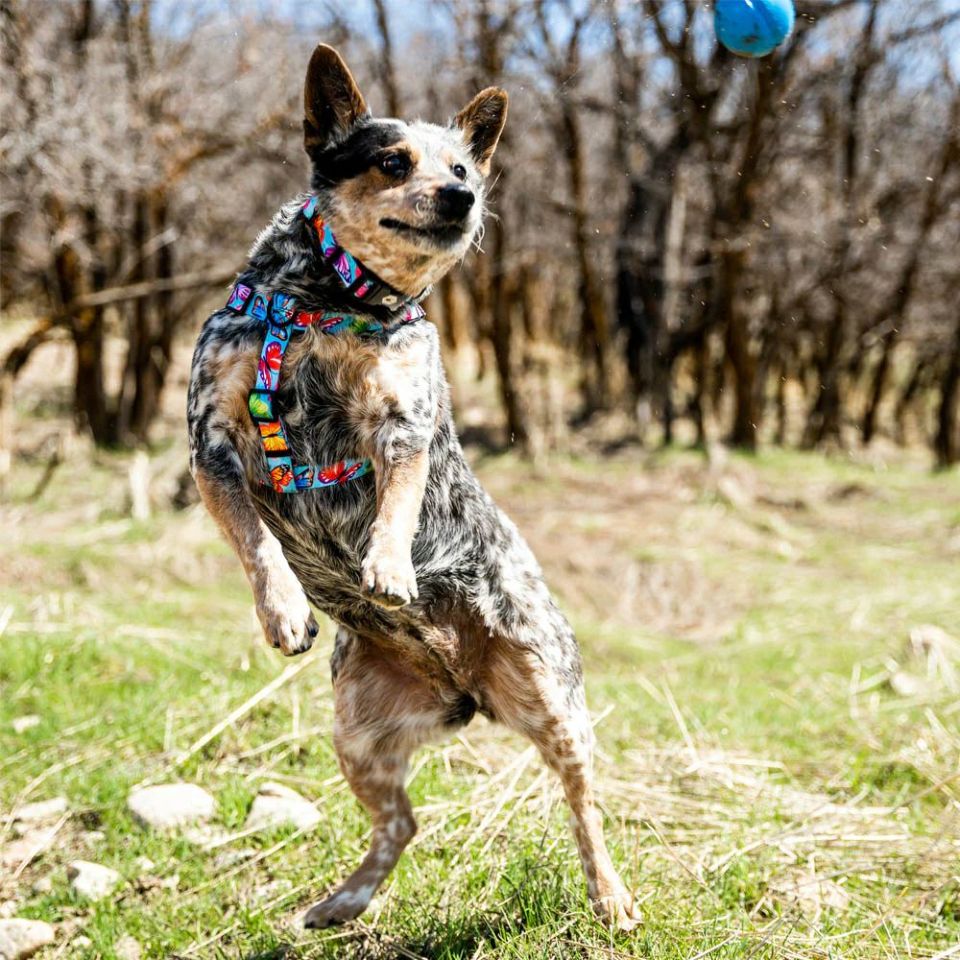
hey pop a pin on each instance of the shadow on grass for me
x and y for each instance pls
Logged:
(456, 940)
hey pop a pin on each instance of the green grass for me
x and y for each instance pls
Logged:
(767, 793)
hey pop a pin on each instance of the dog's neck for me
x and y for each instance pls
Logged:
(413, 272)
(287, 257)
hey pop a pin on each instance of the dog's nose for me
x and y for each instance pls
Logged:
(454, 201)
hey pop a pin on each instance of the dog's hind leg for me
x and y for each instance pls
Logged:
(383, 713)
(541, 696)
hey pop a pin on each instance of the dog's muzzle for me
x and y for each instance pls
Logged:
(454, 202)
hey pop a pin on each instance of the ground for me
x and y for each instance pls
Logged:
(778, 764)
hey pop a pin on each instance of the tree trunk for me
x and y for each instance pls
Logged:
(869, 425)
(86, 329)
(594, 331)
(743, 432)
(913, 385)
(947, 441)
(502, 336)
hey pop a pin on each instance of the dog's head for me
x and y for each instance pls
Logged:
(406, 198)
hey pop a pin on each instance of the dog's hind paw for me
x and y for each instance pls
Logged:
(340, 907)
(389, 581)
(618, 911)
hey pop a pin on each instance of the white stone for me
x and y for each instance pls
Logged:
(43, 884)
(27, 848)
(22, 938)
(929, 638)
(92, 880)
(269, 891)
(907, 684)
(144, 864)
(126, 948)
(42, 811)
(170, 805)
(25, 723)
(206, 835)
(277, 806)
(230, 858)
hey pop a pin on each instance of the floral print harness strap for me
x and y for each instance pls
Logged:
(278, 311)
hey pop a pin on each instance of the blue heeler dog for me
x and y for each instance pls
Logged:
(338, 478)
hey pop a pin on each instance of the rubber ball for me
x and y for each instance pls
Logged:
(753, 28)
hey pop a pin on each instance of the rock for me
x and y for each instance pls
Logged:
(811, 893)
(939, 652)
(8, 908)
(22, 938)
(42, 811)
(92, 880)
(25, 723)
(230, 858)
(206, 835)
(126, 948)
(43, 884)
(92, 837)
(170, 805)
(144, 864)
(276, 806)
(906, 684)
(928, 638)
(81, 942)
(268, 891)
(27, 848)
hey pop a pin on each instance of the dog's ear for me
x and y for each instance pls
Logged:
(481, 121)
(332, 101)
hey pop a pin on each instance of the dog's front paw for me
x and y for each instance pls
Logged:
(618, 911)
(288, 623)
(388, 576)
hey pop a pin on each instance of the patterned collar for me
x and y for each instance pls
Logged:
(359, 281)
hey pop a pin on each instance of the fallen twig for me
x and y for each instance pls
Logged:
(272, 687)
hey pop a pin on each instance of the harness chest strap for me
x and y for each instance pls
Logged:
(278, 312)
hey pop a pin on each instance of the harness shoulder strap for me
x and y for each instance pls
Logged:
(277, 312)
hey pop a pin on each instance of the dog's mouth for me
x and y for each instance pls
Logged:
(442, 235)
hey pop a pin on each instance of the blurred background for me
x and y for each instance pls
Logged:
(684, 245)
(708, 359)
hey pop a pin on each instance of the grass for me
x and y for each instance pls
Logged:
(768, 793)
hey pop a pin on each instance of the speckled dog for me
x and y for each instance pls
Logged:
(441, 606)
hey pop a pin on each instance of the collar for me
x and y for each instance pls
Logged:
(359, 281)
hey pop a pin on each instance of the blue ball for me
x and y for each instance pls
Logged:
(753, 28)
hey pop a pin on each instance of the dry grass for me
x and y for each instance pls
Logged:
(779, 730)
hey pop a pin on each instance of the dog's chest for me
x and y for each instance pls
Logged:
(346, 397)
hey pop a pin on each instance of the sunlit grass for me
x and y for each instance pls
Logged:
(768, 794)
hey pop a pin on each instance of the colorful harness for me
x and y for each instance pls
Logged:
(278, 311)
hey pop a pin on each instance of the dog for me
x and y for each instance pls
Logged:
(323, 445)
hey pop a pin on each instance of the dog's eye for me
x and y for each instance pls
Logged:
(459, 171)
(395, 165)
